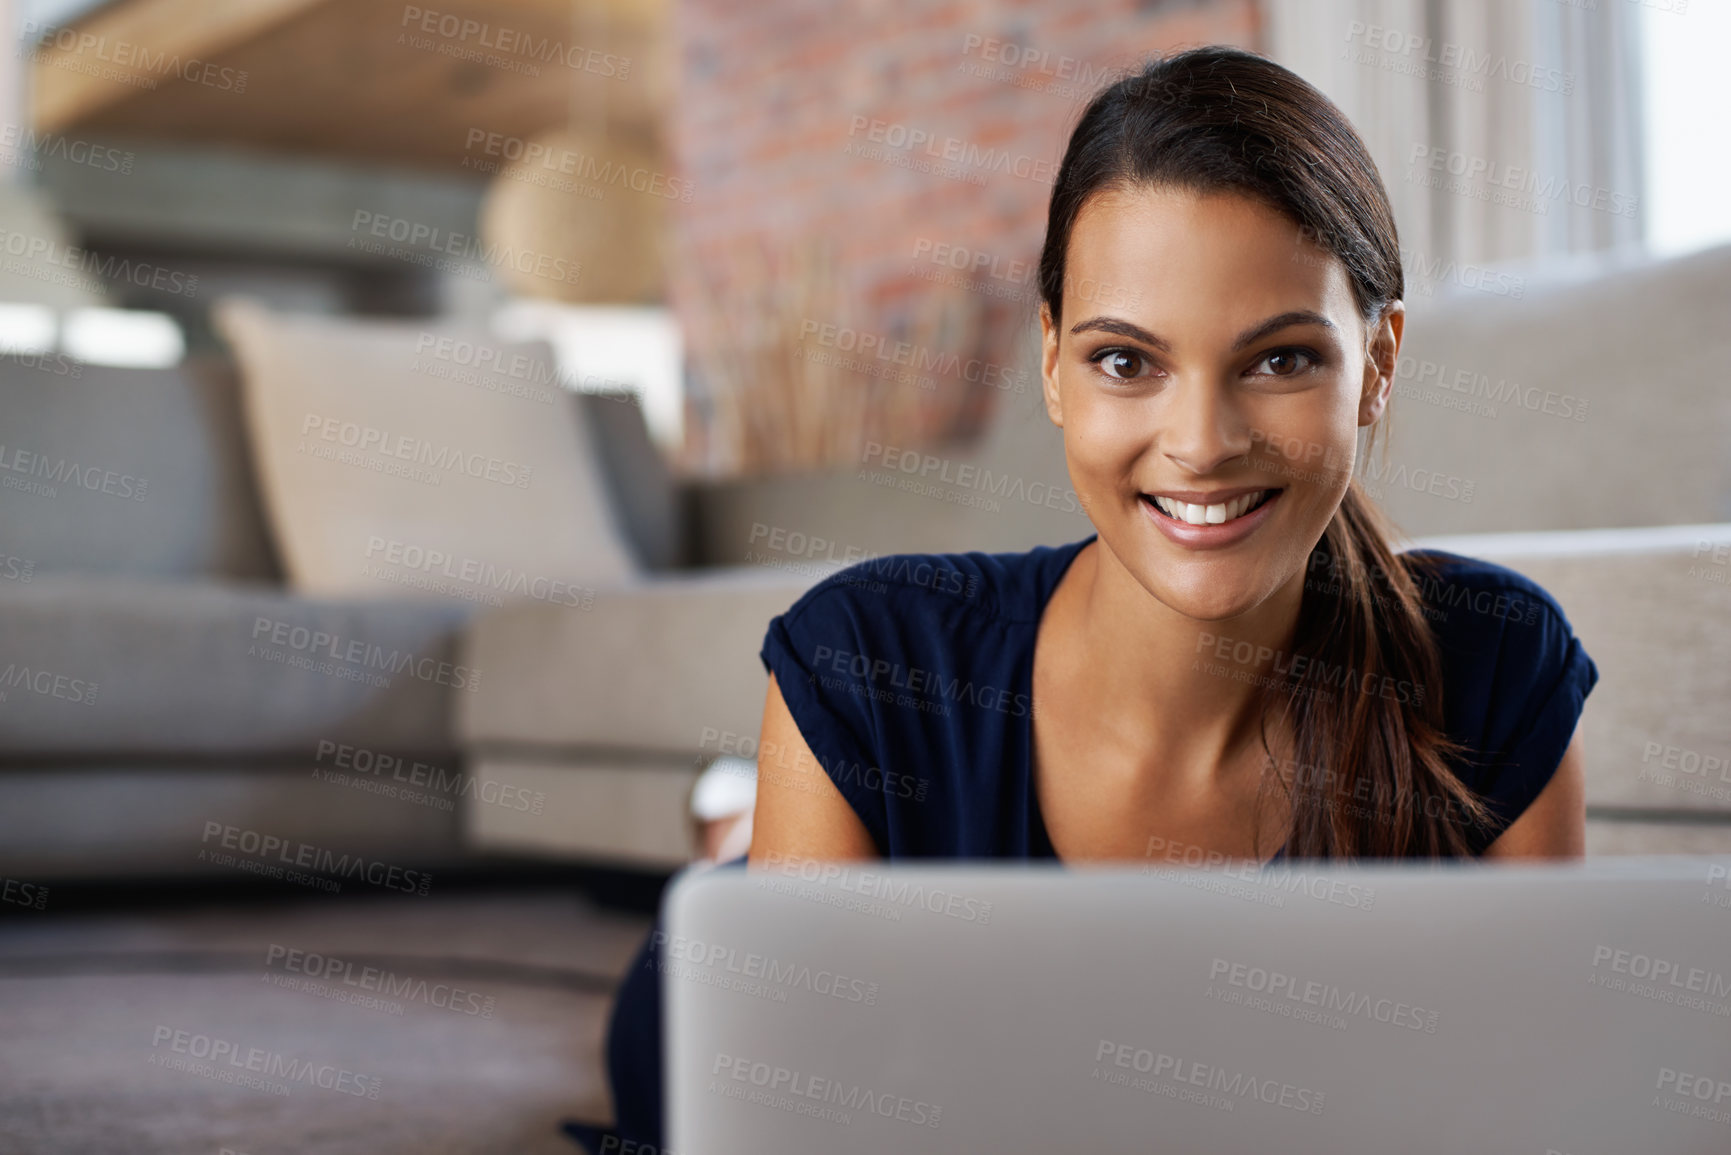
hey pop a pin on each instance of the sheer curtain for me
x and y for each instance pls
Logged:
(1504, 129)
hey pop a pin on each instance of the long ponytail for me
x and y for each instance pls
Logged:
(1369, 774)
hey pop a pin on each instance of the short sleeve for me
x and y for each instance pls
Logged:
(1542, 677)
(836, 722)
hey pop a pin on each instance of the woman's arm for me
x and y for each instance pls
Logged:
(799, 813)
(1555, 825)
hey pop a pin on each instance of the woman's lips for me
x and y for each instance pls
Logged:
(1209, 536)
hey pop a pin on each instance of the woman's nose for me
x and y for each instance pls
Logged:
(1201, 428)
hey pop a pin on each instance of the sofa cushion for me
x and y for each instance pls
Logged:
(102, 667)
(409, 460)
(669, 666)
(126, 471)
(1588, 401)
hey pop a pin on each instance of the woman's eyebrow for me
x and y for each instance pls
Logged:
(1281, 321)
(1122, 329)
(1257, 331)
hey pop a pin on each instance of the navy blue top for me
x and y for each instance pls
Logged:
(910, 678)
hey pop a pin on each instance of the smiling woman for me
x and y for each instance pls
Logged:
(1238, 663)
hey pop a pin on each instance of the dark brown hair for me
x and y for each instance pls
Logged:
(1373, 776)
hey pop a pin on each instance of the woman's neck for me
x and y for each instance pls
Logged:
(1182, 691)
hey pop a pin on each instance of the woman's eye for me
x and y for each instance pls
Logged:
(1285, 362)
(1120, 364)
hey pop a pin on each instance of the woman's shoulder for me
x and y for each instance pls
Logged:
(904, 674)
(1498, 630)
(1463, 593)
(1008, 586)
(1515, 676)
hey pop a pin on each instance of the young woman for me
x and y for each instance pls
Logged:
(1237, 664)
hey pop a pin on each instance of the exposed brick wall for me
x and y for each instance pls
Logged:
(885, 131)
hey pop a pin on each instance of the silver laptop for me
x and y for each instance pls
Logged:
(1009, 1009)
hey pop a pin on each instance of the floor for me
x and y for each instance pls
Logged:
(478, 1028)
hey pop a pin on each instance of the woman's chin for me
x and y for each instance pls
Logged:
(1210, 601)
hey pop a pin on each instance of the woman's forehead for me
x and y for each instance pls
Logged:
(1172, 251)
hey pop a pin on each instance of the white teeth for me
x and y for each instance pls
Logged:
(1208, 514)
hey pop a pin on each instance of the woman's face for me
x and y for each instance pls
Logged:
(1227, 391)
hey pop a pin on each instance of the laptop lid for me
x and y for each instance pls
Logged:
(1550, 1010)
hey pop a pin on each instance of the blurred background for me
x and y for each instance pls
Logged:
(411, 417)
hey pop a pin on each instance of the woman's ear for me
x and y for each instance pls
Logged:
(1382, 357)
(1049, 366)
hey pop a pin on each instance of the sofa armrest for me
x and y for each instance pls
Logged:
(665, 666)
